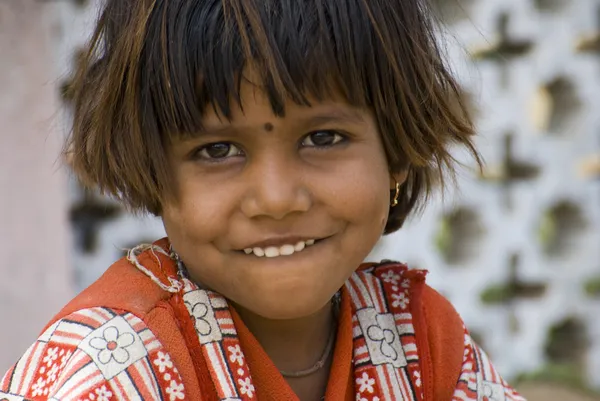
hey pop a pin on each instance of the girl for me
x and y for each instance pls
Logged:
(277, 140)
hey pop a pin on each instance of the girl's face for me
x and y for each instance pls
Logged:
(273, 185)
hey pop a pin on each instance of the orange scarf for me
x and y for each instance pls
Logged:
(397, 338)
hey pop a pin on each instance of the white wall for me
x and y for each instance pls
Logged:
(35, 266)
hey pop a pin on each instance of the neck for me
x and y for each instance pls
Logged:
(295, 344)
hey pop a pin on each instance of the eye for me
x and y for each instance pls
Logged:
(218, 151)
(322, 139)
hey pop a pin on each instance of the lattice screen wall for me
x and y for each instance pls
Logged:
(517, 250)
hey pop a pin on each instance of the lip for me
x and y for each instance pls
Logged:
(280, 241)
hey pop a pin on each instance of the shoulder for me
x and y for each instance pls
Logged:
(442, 321)
(450, 364)
(395, 277)
(439, 330)
(138, 289)
(94, 353)
(120, 337)
(445, 327)
(446, 337)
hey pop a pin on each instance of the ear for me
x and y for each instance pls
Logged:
(399, 177)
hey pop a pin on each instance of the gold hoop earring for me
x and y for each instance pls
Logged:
(396, 195)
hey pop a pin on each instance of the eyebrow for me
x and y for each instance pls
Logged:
(337, 115)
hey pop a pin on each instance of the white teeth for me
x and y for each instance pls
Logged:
(271, 252)
(284, 250)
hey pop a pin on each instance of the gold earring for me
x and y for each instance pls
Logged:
(396, 195)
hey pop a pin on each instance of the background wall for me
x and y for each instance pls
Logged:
(517, 249)
(35, 264)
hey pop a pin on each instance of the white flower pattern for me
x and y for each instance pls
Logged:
(390, 277)
(52, 373)
(246, 387)
(103, 394)
(39, 387)
(51, 356)
(112, 345)
(366, 383)
(163, 361)
(175, 391)
(400, 300)
(236, 355)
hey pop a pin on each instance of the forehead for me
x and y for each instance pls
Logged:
(253, 107)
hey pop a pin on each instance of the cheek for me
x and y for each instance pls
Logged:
(366, 194)
(375, 203)
(177, 227)
(197, 216)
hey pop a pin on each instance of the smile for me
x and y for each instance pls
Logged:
(283, 250)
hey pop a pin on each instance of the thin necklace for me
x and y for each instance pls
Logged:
(320, 363)
(328, 348)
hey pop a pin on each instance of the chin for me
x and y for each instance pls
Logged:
(287, 307)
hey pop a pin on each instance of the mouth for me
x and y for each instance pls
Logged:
(282, 250)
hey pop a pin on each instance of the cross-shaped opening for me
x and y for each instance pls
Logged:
(510, 171)
(560, 228)
(566, 105)
(556, 106)
(459, 233)
(513, 290)
(503, 48)
(567, 344)
(564, 376)
(87, 216)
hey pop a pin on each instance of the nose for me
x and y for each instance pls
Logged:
(276, 189)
